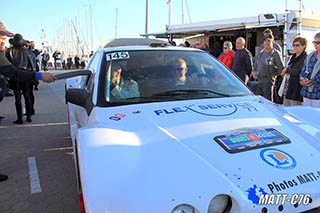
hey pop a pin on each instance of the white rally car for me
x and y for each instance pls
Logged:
(165, 129)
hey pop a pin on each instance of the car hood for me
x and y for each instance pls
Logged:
(172, 150)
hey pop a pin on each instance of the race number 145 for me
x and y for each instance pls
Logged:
(117, 56)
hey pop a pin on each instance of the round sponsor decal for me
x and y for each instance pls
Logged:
(278, 158)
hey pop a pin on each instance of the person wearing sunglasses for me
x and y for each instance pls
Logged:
(310, 76)
(182, 77)
(292, 87)
(180, 70)
(227, 56)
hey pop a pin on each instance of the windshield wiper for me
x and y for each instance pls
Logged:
(189, 91)
(169, 95)
(152, 97)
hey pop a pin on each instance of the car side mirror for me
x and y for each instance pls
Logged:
(80, 97)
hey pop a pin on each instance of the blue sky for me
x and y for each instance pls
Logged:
(28, 17)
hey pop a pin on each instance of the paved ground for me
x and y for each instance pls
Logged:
(39, 149)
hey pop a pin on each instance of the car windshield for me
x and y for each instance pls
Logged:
(165, 75)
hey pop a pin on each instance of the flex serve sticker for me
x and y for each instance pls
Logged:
(278, 159)
(117, 56)
(224, 109)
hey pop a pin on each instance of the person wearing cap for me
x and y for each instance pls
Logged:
(227, 56)
(268, 65)
(242, 60)
(276, 45)
(10, 71)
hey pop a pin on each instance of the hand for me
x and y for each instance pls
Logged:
(48, 77)
(284, 71)
(306, 82)
(254, 75)
(247, 79)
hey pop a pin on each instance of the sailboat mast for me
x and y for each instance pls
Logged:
(188, 11)
(170, 10)
(182, 11)
(116, 31)
(147, 18)
(87, 31)
(91, 27)
(79, 31)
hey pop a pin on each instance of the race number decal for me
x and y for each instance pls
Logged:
(117, 56)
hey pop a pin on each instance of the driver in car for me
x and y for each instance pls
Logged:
(181, 69)
(122, 88)
(182, 79)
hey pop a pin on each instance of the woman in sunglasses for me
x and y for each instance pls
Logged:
(292, 86)
(310, 76)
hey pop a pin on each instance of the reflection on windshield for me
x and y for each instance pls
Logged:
(161, 75)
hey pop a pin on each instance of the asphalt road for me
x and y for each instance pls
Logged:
(37, 156)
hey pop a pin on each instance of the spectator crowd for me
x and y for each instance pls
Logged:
(296, 83)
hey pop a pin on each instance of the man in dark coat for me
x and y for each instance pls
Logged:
(45, 59)
(23, 59)
(242, 61)
(77, 61)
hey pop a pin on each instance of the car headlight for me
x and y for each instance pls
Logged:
(220, 204)
(183, 208)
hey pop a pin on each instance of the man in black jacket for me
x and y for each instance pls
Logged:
(242, 61)
(10, 71)
(44, 60)
(23, 59)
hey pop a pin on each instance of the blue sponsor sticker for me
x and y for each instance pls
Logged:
(278, 159)
(250, 138)
(114, 118)
(117, 117)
